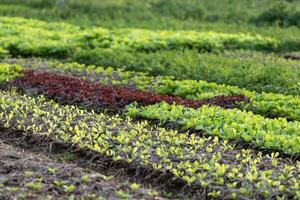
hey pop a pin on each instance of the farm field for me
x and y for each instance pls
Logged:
(154, 99)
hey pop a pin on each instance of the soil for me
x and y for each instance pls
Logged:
(28, 173)
(292, 56)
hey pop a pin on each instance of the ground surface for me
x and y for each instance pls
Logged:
(31, 174)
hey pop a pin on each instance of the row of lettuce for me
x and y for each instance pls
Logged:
(266, 104)
(33, 37)
(232, 124)
(67, 89)
(157, 52)
(224, 170)
(252, 70)
(9, 72)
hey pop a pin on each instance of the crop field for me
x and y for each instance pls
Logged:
(154, 99)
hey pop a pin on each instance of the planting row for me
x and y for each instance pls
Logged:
(66, 89)
(37, 38)
(3, 53)
(266, 104)
(120, 47)
(216, 166)
(233, 124)
(9, 72)
(247, 69)
(29, 174)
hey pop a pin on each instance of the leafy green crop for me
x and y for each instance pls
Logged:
(232, 124)
(37, 38)
(266, 104)
(3, 53)
(8, 72)
(247, 69)
(203, 162)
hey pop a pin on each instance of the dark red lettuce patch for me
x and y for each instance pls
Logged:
(71, 90)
